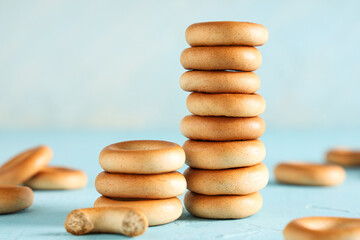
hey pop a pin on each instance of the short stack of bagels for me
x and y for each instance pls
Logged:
(224, 153)
(142, 175)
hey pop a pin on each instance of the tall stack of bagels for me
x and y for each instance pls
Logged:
(142, 175)
(223, 151)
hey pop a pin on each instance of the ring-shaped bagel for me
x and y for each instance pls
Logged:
(343, 156)
(226, 33)
(156, 186)
(223, 155)
(142, 157)
(311, 174)
(57, 178)
(25, 165)
(223, 207)
(222, 128)
(323, 228)
(221, 58)
(158, 211)
(224, 104)
(220, 82)
(235, 181)
(14, 198)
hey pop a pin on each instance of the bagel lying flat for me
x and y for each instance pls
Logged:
(229, 105)
(118, 185)
(235, 181)
(220, 82)
(142, 157)
(222, 128)
(223, 207)
(299, 173)
(223, 155)
(323, 228)
(15, 198)
(221, 58)
(226, 33)
(57, 178)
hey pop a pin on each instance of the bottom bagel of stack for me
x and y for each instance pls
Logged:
(141, 175)
(224, 178)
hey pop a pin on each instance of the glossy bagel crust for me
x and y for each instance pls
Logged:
(220, 82)
(158, 212)
(142, 157)
(323, 228)
(311, 174)
(235, 181)
(345, 157)
(221, 58)
(57, 178)
(223, 155)
(165, 185)
(226, 33)
(223, 207)
(14, 198)
(222, 128)
(224, 104)
(25, 165)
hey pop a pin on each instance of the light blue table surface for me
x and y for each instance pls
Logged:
(282, 203)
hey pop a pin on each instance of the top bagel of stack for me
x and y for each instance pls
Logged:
(225, 124)
(141, 175)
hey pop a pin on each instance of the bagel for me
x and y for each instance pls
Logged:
(309, 174)
(142, 157)
(57, 178)
(226, 33)
(323, 228)
(126, 221)
(15, 198)
(222, 128)
(236, 181)
(343, 156)
(223, 155)
(228, 105)
(221, 58)
(158, 212)
(25, 165)
(165, 185)
(223, 207)
(220, 82)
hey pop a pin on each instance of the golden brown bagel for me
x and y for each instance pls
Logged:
(226, 33)
(239, 58)
(15, 198)
(165, 185)
(222, 128)
(142, 157)
(309, 174)
(25, 165)
(323, 228)
(220, 82)
(224, 104)
(223, 207)
(57, 178)
(223, 155)
(118, 220)
(343, 156)
(158, 212)
(235, 181)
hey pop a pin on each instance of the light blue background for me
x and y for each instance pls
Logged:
(115, 64)
(79, 75)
